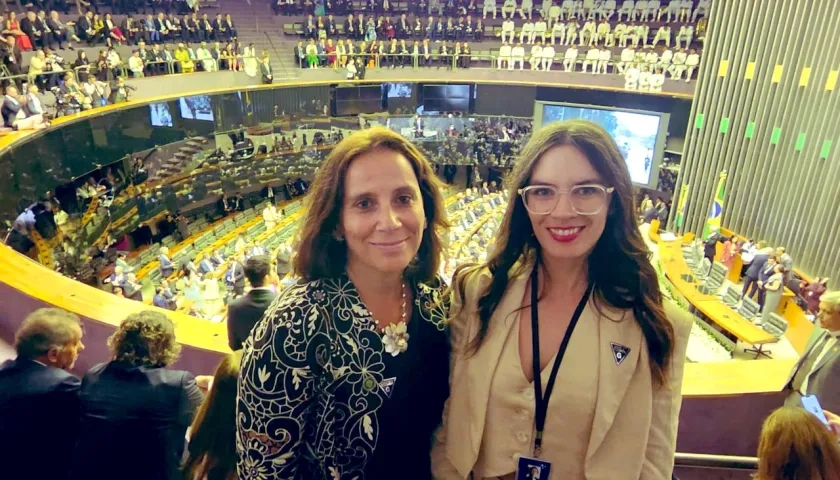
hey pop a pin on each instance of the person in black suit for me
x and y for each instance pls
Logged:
(266, 71)
(235, 276)
(134, 410)
(39, 398)
(751, 277)
(246, 311)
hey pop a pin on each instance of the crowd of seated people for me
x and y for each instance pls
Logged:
(408, 42)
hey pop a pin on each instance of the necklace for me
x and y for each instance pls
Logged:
(395, 336)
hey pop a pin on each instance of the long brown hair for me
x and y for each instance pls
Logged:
(212, 445)
(319, 253)
(620, 263)
(794, 445)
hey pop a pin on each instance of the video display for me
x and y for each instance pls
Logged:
(397, 90)
(635, 133)
(446, 98)
(198, 107)
(160, 114)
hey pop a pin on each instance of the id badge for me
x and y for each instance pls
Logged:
(532, 469)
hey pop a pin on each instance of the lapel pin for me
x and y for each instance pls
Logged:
(619, 352)
(387, 386)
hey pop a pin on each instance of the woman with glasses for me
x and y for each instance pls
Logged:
(564, 353)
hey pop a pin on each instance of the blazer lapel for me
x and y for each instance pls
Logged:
(464, 437)
(620, 343)
(828, 357)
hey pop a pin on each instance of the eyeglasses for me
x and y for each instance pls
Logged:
(587, 199)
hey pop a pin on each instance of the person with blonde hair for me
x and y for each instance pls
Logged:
(346, 373)
(795, 445)
(548, 301)
(211, 454)
(135, 410)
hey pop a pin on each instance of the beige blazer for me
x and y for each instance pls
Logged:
(635, 428)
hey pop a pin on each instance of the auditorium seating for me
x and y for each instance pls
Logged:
(775, 325)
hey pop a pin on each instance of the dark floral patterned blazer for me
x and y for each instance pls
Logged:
(316, 339)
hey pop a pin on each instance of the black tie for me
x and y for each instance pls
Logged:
(807, 365)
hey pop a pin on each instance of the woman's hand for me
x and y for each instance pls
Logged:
(204, 382)
(833, 423)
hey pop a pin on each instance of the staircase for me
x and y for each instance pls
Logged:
(181, 160)
(254, 19)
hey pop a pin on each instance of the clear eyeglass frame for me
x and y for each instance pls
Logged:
(591, 203)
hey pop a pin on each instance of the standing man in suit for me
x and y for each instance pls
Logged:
(266, 71)
(818, 370)
(246, 311)
(122, 263)
(39, 398)
(763, 276)
(235, 276)
(751, 277)
(787, 261)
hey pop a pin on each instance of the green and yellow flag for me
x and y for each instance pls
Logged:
(681, 206)
(717, 206)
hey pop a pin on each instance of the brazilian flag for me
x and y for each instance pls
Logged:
(717, 207)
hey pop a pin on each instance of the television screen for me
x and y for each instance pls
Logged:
(636, 133)
(397, 90)
(161, 117)
(446, 98)
(358, 99)
(197, 107)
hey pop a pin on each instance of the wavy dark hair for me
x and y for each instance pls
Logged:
(320, 254)
(212, 448)
(619, 265)
(145, 339)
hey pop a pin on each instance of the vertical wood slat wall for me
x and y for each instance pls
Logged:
(773, 192)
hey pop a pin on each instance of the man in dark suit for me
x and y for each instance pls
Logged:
(39, 398)
(245, 312)
(818, 370)
(764, 275)
(160, 300)
(751, 277)
(84, 27)
(235, 276)
(266, 71)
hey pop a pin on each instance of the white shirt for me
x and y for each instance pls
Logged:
(831, 343)
(571, 54)
(593, 54)
(666, 56)
(548, 52)
(518, 52)
(559, 27)
(605, 55)
(508, 26)
(528, 27)
(632, 74)
(603, 28)
(679, 58)
(536, 51)
(651, 57)
(692, 60)
(505, 51)
(135, 64)
(657, 80)
(540, 26)
(644, 79)
(627, 55)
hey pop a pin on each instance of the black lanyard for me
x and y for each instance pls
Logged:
(542, 401)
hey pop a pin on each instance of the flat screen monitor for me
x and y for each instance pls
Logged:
(397, 90)
(358, 99)
(640, 135)
(446, 98)
(198, 107)
(160, 114)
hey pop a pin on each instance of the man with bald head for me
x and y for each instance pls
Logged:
(39, 397)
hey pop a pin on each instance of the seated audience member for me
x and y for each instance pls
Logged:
(211, 453)
(39, 398)
(134, 410)
(14, 113)
(244, 312)
(161, 301)
(795, 445)
(205, 266)
(217, 258)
